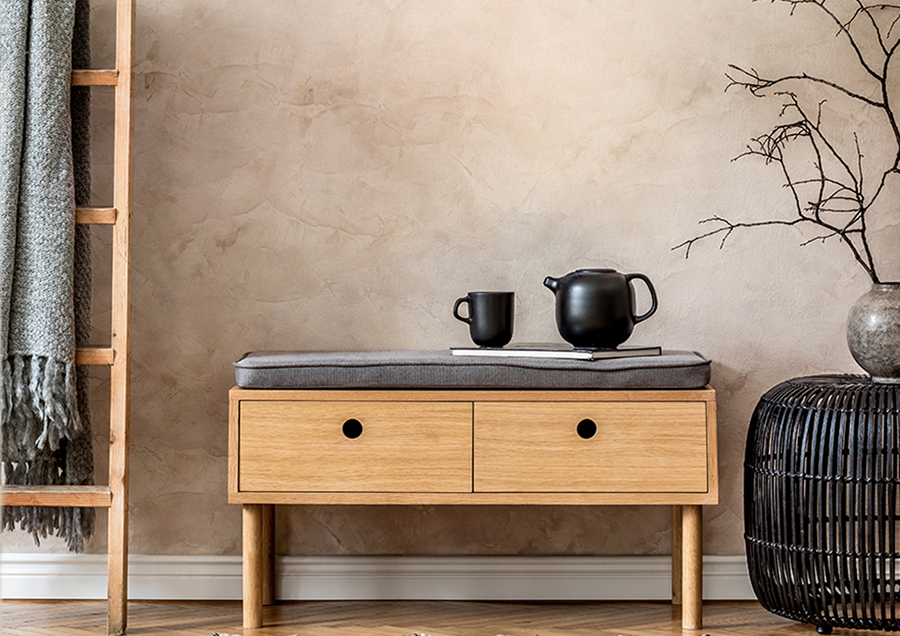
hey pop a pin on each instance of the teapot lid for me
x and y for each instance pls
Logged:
(594, 270)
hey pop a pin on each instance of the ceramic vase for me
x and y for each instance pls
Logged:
(873, 332)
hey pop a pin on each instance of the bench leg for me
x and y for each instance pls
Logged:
(253, 565)
(268, 554)
(676, 555)
(692, 567)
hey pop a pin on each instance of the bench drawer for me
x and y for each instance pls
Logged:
(298, 446)
(635, 447)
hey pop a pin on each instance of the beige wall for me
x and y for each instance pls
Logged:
(332, 175)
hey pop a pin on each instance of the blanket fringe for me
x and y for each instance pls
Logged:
(39, 395)
(75, 525)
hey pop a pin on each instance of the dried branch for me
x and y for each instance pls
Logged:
(727, 228)
(842, 28)
(818, 136)
(819, 239)
(756, 84)
(867, 11)
(833, 196)
(893, 24)
(892, 119)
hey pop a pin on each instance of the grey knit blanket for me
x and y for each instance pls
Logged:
(45, 275)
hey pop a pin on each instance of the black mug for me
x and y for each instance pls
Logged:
(490, 317)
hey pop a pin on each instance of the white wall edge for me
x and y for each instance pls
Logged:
(483, 578)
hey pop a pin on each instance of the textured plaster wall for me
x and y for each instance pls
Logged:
(332, 175)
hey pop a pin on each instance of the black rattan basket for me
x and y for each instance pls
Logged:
(821, 476)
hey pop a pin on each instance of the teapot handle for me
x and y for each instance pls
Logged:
(652, 310)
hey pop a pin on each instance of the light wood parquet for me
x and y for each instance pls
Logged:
(400, 618)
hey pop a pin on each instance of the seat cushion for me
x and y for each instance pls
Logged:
(442, 370)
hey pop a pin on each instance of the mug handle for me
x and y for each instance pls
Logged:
(460, 301)
(652, 309)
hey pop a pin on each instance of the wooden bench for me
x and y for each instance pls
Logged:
(473, 446)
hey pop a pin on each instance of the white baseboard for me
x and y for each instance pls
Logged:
(64, 576)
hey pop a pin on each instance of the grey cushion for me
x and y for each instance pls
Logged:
(440, 369)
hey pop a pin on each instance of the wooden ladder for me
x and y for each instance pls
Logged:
(117, 354)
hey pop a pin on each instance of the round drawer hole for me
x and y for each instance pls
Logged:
(352, 428)
(586, 429)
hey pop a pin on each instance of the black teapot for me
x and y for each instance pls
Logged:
(595, 307)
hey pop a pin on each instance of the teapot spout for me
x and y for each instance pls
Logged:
(551, 283)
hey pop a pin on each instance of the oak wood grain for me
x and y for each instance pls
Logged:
(676, 555)
(692, 567)
(712, 450)
(120, 372)
(95, 77)
(95, 355)
(267, 554)
(234, 446)
(637, 447)
(73, 496)
(400, 618)
(474, 395)
(95, 216)
(513, 447)
(404, 447)
(253, 567)
(475, 498)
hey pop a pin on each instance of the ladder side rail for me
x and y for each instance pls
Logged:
(121, 317)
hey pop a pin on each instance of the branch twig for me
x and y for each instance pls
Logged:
(758, 84)
(833, 196)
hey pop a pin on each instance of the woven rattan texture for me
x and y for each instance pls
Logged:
(821, 475)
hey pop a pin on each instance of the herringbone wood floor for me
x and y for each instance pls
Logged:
(401, 618)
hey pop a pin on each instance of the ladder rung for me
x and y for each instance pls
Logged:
(104, 77)
(94, 355)
(95, 216)
(69, 496)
